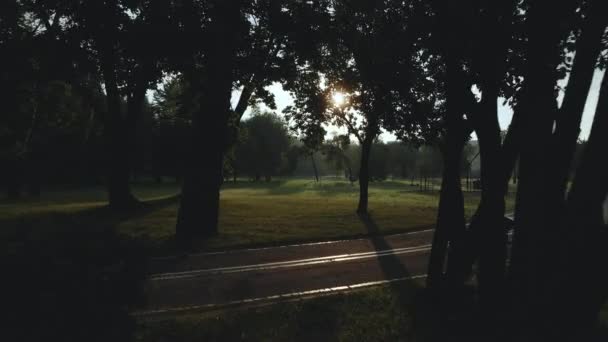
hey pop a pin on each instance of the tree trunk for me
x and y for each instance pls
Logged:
(350, 173)
(314, 166)
(450, 228)
(116, 139)
(588, 48)
(366, 147)
(490, 237)
(534, 253)
(586, 239)
(199, 205)
(243, 102)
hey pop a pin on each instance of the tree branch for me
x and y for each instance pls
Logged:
(350, 126)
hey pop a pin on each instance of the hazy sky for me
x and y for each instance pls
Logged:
(283, 99)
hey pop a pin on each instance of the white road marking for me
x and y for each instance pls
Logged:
(279, 297)
(233, 251)
(290, 263)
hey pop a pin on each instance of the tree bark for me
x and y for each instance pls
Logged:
(490, 235)
(349, 170)
(199, 206)
(366, 148)
(586, 239)
(243, 103)
(588, 48)
(116, 138)
(314, 166)
(534, 242)
(450, 228)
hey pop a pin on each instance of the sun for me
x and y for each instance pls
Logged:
(338, 98)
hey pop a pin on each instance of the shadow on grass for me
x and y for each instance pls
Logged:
(274, 187)
(429, 322)
(408, 291)
(284, 188)
(323, 188)
(71, 277)
(336, 189)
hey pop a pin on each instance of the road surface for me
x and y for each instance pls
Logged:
(233, 278)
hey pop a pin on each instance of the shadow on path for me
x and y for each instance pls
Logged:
(409, 293)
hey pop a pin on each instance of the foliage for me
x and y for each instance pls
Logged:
(262, 147)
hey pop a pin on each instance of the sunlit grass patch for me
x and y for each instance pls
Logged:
(282, 211)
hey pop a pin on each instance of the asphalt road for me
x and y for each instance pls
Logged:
(234, 278)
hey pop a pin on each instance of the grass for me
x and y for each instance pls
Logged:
(70, 242)
(380, 314)
(397, 312)
(251, 214)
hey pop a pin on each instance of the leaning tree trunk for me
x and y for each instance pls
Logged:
(199, 206)
(366, 148)
(588, 48)
(533, 262)
(585, 241)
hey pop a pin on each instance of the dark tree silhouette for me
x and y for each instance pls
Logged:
(199, 206)
(260, 151)
(451, 38)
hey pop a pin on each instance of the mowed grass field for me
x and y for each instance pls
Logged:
(251, 214)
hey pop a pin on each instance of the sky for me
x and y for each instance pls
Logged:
(283, 99)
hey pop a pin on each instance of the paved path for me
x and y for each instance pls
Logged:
(215, 280)
(208, 281)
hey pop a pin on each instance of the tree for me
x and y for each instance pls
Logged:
(212, 85)
(172, 113)
(378, 162)
(336, 152)
(497, 22)
(586, 233)
(306, 115)
(530, 61)
(401, 160)
(110, 38)
(362, 46)
(257, 54)
(261, 151)
(450, 37)
(52, 91)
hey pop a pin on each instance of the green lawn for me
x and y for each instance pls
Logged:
(251, 213)
(386, 313)
(396, 312)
